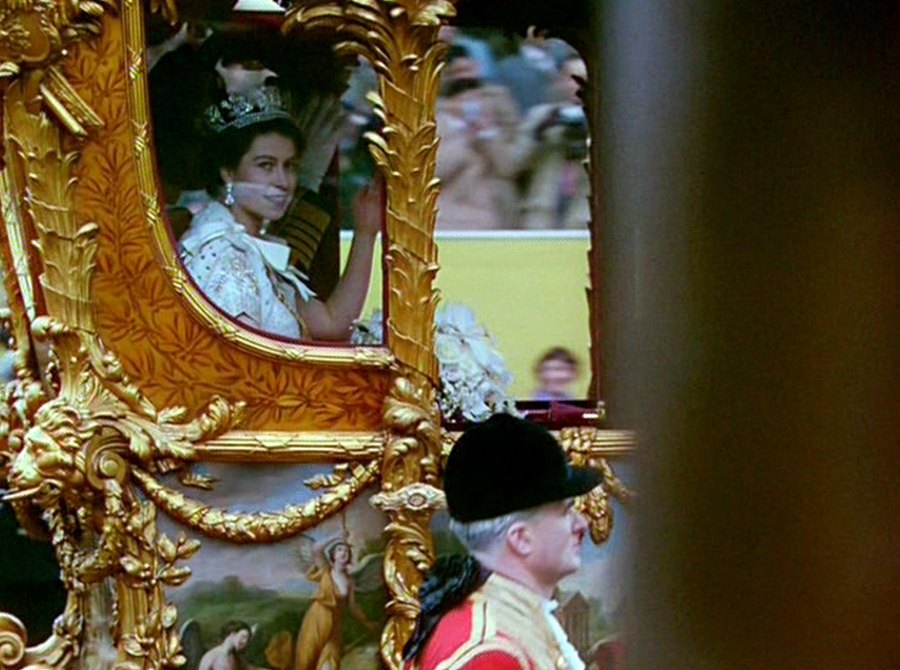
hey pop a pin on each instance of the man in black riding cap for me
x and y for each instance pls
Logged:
(510, 494)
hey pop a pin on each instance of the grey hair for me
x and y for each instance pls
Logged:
(478, 536)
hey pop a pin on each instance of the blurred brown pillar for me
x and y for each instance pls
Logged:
(752, 278)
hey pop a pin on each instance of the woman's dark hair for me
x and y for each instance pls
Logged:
(233, 626)
(333, 548)
(225, 149)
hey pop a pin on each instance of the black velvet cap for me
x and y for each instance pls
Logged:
(506, 464)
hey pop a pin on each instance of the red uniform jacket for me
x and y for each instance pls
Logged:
(501, 626)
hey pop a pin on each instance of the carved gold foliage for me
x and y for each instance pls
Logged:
(287, 447)
(177, 359)
(67, 249)
(71, 455)
(79, 475)
(99, 530)
(54, 652)
(409, 554)
(12, 641)
(588, 446)
(399, 38)
(412, 450)
(584, 443)
(338, 491)
(596, 505)
(19, 399)
(149, 561)
(97, 401)
(409, 497)
(35, 32)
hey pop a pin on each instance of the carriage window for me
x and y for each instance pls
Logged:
(514, 212)
(252, 133)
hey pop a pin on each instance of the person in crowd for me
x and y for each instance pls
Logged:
(510, 496)
(550, 151)
(252, 156)
(556, 370)
(529, 72)
(477, 125)
(7, 357)
(478, 49)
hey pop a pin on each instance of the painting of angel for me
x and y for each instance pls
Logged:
(310, 638)
(330, 565)
(312, 601)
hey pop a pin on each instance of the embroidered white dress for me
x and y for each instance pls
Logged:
(229, 266)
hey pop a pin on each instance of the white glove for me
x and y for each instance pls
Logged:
(320, 121)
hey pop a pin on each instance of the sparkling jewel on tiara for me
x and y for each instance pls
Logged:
(240, 110)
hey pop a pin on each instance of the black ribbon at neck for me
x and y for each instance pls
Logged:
(446, 585)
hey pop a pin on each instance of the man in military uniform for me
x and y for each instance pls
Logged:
(510, 495)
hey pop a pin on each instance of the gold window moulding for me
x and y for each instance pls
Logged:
(139, 112)
(238, 446)
(178, 358)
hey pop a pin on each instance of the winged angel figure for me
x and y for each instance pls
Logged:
(329, 564)
(319, 642)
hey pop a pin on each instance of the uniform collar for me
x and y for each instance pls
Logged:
(515, 593)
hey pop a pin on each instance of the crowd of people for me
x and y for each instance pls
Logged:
(513, 143)
(513, 135)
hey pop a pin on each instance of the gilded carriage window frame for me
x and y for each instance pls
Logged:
(148, 183)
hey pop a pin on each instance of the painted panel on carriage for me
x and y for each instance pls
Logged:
(291, 605)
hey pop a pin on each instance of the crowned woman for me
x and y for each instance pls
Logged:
(252, 154)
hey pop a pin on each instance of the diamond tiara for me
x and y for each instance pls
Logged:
(240, 110)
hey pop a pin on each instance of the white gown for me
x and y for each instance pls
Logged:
(229, 266)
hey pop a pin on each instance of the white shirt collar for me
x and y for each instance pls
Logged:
(568, 650)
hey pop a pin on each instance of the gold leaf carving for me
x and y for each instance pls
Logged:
(238, 527)
(409, 554)
(166, 337)
(409, 497)
(413, 446)
(399, 38)
(35, 32)
(12, 641)
(71, 455)
(593, 447)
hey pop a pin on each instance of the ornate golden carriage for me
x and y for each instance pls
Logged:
(126, 378)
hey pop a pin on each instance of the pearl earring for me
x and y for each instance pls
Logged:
(229, 194)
